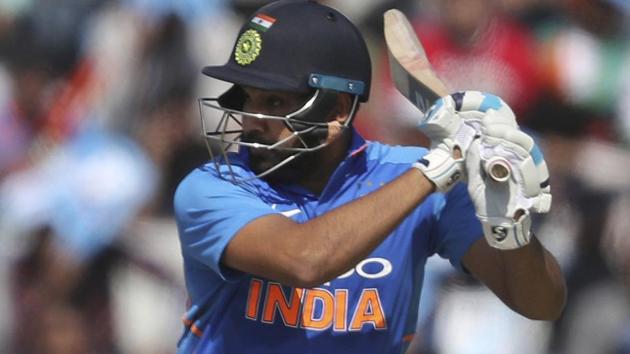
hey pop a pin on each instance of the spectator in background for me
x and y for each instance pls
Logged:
(148, 86)
(472, 45)
(585, 60)
(46, 76)
(94, 186)
(163, 103)
(72, 203)
(112, 117)
(584, 56)
(29, 95)
(534, 14)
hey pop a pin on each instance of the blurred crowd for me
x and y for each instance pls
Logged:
(99, 123)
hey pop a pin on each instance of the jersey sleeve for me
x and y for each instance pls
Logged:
(457, 226)
(209, 212)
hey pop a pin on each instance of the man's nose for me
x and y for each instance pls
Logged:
(254, 124)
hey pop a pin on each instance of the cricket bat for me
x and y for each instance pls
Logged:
(414, 77)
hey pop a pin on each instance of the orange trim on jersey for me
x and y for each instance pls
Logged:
(359, 150)
(408, 338)
(193, 328)
(196, 331)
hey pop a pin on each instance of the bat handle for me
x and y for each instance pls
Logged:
(498, 169)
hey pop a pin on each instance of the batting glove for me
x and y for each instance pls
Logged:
(479, 109)
(452, 123)
(504, 206)
(447, 132)
(486, 113)
(441, 168)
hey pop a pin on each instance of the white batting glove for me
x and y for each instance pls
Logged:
(479, 109)
(504, 207)
(455, 120)
(452, 123)
(447, 132)
(439, 166)
(483, 111)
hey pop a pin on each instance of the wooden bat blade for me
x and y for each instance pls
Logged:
(411, 71)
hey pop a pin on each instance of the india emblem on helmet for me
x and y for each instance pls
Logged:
(248, 47)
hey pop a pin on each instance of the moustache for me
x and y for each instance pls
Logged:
(255, 138)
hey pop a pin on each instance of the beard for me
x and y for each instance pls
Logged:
(261, 159)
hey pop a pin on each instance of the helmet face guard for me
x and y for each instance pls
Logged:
(224, 135)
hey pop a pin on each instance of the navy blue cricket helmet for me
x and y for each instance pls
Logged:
(297, 46)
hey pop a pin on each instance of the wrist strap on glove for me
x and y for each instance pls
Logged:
(441, 168)
(506, 233)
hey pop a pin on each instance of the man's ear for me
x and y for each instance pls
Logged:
(341, 113)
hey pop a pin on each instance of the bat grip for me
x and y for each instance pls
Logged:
(498, 169)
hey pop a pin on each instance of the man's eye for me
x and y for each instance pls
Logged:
(274, 102)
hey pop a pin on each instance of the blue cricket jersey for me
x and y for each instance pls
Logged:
(369, 309)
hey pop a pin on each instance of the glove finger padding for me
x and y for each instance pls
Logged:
(456, 120)
(475, 106)
(504, 207)
(491, 197)
(445, 129)
(529, 168)
(513, 146)
(443, 125)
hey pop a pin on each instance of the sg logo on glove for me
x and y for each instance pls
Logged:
(454, 178)
(499, 233)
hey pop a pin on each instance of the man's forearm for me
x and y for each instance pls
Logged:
(353, 231)
(317, 251)
(534, 282)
